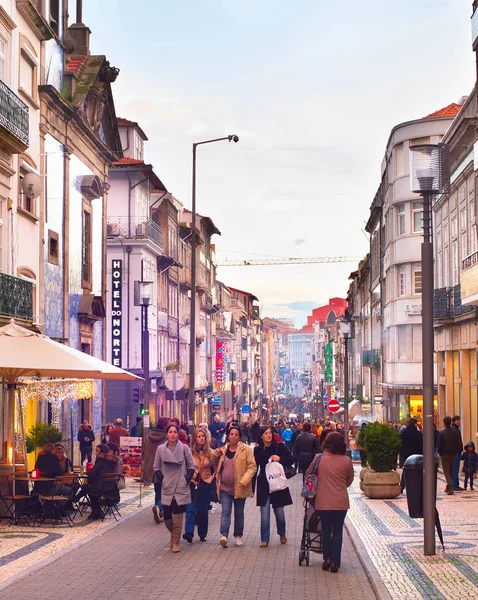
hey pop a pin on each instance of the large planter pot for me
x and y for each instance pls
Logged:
(362, 473)
(380, 485)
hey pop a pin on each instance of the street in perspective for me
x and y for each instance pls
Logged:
(238, 300)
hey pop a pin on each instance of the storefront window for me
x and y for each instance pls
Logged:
(404, 408)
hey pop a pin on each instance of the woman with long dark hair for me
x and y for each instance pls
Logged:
(197, 510)
(235, 468)
(174, 468)
(336, 474)
(268, 449)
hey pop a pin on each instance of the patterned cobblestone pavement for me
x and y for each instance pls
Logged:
(394, 543)
(23, 547)
(133, 560)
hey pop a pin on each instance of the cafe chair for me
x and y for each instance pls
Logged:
(110, 496)
(56, 503)
(16, 505)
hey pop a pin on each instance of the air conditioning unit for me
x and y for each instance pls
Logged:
(112, 229)
(141, 230)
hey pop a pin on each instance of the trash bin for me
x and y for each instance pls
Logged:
(413, 468)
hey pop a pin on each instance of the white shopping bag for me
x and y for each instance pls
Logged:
(275, 476)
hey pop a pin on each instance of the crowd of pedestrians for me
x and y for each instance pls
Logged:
(227, 463)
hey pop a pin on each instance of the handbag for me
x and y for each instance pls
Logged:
(309, 489)
(275, 476)
(290, 471)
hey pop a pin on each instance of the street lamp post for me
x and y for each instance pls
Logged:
(430, 176)
(192, 336)
(345, 325)
(143, 294)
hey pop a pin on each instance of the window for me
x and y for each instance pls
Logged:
(454, 260)
(440, 269)
(417, 217)
(399, 162)
(138, 146)
(454, 228)
(86, 250)
(55, 16)
(401, 219)
(26, 203)
(2, 58)
(1, 233)
(244, 365)
(404, 341)
(463, 236)
(53, 247)
(417, 278)
(244, 343)
(402, 282)
(446, 236)
(27, 70)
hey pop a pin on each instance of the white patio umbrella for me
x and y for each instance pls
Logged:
(24, 353)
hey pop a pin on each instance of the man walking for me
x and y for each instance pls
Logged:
(448, 445)
(305, 448)
(455, 423)
(411, 442)
(118, 431)
(217, 430)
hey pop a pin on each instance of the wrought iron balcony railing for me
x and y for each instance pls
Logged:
(134, 228)
(14, 114)
(371, 358)
(447, 303)
(16, 297)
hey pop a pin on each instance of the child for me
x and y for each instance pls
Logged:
(470, 463)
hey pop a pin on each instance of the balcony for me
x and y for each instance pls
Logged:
(16, 297)
(447, 303)
(135, 228)
(185, 282)
(442, 303)
(14, 121)
(371, 358)
(206, 303)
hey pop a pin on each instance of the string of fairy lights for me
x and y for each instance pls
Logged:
(53, 390)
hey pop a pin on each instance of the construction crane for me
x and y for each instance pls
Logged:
(285, 261)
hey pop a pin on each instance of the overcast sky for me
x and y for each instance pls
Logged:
(311, 87)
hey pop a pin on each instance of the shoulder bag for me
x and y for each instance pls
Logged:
(309, 489)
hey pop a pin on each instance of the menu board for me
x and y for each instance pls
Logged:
(130, 452)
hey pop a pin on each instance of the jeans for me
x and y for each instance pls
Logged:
(197, 511)
(86, 453)
(469, 476)
(456, 471)
(266, 520)
(332, 530)
(157, 495)
(226, 506)
(447, 463)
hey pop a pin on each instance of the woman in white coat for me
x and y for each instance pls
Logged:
(174, 467)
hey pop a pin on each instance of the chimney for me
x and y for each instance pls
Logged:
(80, 33)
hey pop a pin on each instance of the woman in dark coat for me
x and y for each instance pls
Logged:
(105, 463)
(267, 448)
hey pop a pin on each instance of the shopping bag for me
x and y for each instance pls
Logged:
(309, 489)
(275, 476)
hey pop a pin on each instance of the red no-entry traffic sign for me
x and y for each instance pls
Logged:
(333, 405)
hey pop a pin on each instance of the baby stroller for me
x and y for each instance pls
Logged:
(311, 533)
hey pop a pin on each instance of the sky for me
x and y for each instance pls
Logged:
(312, 89)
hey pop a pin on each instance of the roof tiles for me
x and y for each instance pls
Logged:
(448, 111)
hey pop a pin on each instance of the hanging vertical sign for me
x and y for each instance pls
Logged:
(219, 360)
(116, 320)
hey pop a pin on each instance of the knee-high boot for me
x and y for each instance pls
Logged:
(176, 533)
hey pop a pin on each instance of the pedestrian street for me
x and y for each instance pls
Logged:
(133, 561)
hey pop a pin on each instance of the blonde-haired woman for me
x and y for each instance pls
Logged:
(198, 509)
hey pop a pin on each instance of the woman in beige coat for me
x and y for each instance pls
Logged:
(235, 468)
(336, 474)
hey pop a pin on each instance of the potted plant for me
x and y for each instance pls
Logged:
(42, 433)
(382, 444)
